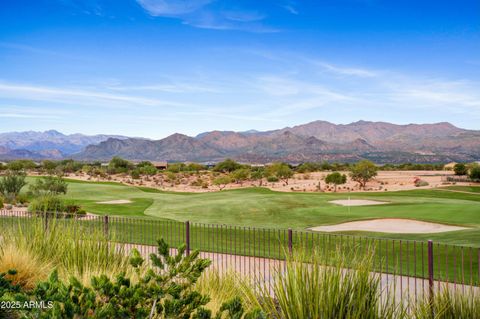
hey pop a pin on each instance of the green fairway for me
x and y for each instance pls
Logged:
(259, 207)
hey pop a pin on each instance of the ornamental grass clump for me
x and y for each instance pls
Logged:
(72, 247)
(305, 287)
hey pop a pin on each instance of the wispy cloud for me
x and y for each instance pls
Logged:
(169, 88)
(346, 70)
(74, 96)
(172, 7)
(199, 14)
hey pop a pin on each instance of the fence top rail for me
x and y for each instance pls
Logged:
(295, 233)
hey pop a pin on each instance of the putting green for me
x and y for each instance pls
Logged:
(260, 207)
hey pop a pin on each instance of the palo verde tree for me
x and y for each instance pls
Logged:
(363, 172)
(240, 175)
(227, 166)
(222, 181)
(257, 174)
(336, 179)
(281, 171)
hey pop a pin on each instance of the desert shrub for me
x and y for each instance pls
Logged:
(1, 202)
(197, 182)
(46, 204)
(272, 179)
(421, 183)
(21, 199)
(135, 174)
(12, 183)
(71, 208)
(165, 290)
(54, 185)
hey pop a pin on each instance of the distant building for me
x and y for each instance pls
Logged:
(160, 165)
(449, 166)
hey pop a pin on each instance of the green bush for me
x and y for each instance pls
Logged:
(22, 199)
(421, 183)
(1, 202)
(272, 179)
(165, 290)
(46, 204)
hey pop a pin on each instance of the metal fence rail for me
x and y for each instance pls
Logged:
(411, 267)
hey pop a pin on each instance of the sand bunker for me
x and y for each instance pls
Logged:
(356, 202)
(116, 202)
(389, 225)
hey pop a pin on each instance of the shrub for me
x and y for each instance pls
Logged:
(1, 202)
(272, 179)
(12, 183)
(421, 183)
(54, 185)
(46, 204)
(21, 198)
(165, 290)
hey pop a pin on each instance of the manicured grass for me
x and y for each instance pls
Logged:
(472, 189)
(259, 207)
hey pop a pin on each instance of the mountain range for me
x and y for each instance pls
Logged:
(49, 144)
(380, 142)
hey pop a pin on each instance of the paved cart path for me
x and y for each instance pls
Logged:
(263, 270)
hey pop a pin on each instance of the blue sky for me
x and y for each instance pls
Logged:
(154, 67)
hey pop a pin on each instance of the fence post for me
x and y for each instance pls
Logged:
(45, 221)
(430, 274)
(187, 237)
(290, 241)
(105, 225)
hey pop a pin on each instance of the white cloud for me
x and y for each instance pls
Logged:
(196, 13)
(364, 73)
(172, 7)
(76, 96)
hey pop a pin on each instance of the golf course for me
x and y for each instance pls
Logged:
(259, 207)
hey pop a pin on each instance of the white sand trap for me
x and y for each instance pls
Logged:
(116, 202)
(389, 225)
(356, 202)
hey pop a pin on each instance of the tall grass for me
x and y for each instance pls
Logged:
(449, 303)
(72, 247)
(221, 287)
(346, 288)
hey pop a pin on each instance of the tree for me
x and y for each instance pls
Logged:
(222, 181)
(460, 169)
(258, 174)
(363, 172)
(227, 166)
(49, 166)
(336, 179)
(52, 185)
(21, 165)
(119, 165)
(281, 170)
(12, 183)
(240, 175)
(475, 173)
